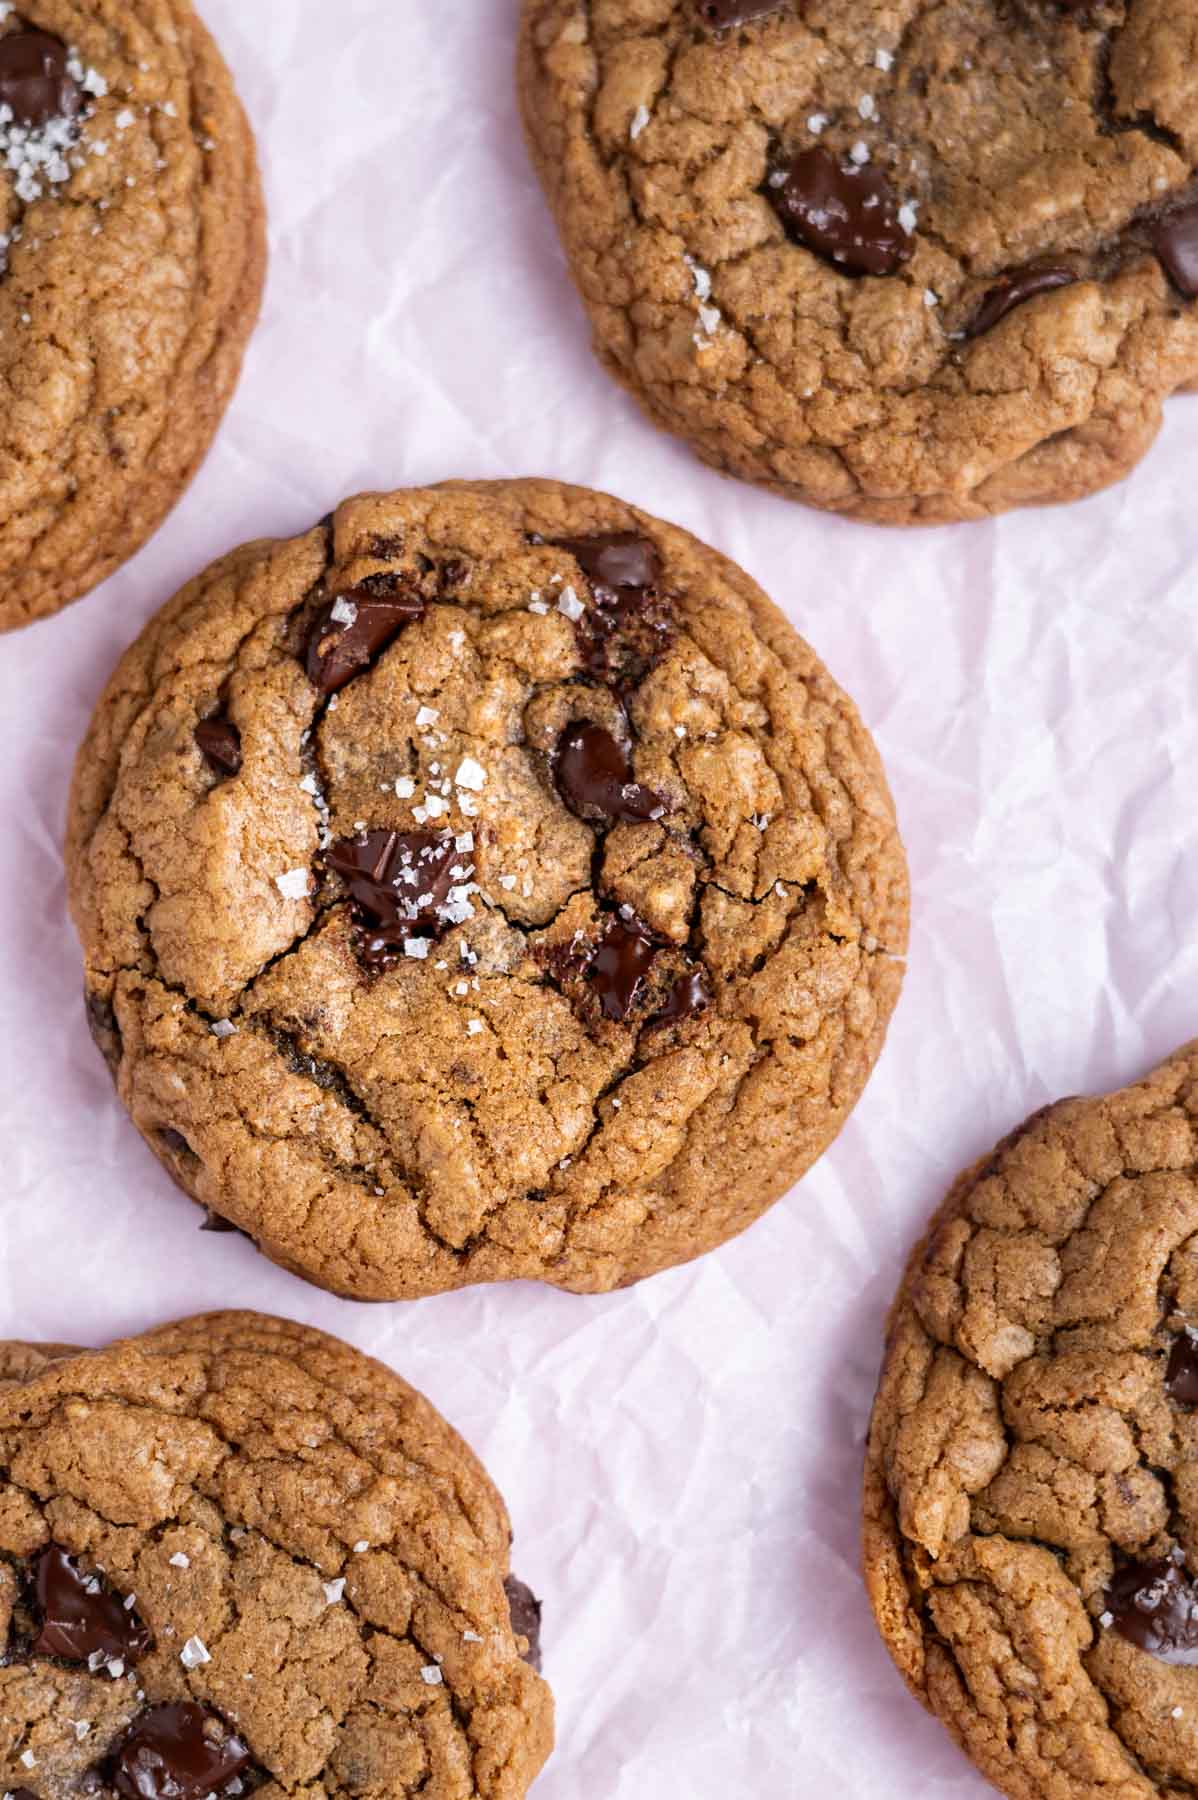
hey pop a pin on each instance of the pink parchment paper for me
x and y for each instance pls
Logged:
(681, 1461)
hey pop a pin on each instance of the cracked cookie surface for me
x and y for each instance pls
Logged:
(1032, 1476)
(1004, 318)
(132, 253)
(532, 909)
(237, 1557)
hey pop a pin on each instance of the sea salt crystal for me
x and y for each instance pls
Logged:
(193, 1653)
(124, 119)
(884, 60)
(220, 1028)
(859, 153)
(908, 216)
(537, 605)
(474, 1027)
(116, 1668)
(333, 1590)
(293, 885)
(82, 1727)
(867, 106)
(700, 276)
(709, 319)
(434, 806)
(930, 299)
(431, 1675)
(416, 947)
(361, 1547)
(471, 1637)
(180, 1560)
(465, 842)
(428, 715)
(29, 1759)
(817, 122)
(569, 604)
(405, 787)
(508, 882)
(640, 119)
(471, 775)
(344, 611)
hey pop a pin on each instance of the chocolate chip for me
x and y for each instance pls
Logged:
(80, 1617)
(175, 1141)
(847, 214)
(619, 966)
(628, 627)
(594, 778)
(1013, 290)
(1181, 1376)
(404, 885)
(724, 13)
(23, 1794)
(220, 743)
(179, 1751)
(690, 994)
(355, 628)
(34, 80)
(526, 1610)
(1175, 240)
(1155, 1606)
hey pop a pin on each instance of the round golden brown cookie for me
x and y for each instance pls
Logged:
(1031, 1510)
(490, 884)
(238, 1557)
(909, 262)
(132, 252)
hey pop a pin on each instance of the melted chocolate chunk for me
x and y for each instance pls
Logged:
(80, 1617)
(618, 967)
(594, 778)
(23, 1794)
(690, 994)
(179, 1751)
(628, 627)
(724, 13)
(34, 80)
(105, 1032)
(404, 885)
(1181, 1377)
(1155, 1606)
(525, 1609)
(1175, 240)
(220, 744)
(846, 214)
(355, 628)
(1013, 290)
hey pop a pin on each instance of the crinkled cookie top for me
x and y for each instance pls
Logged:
(910, 261)
(1032, 1487)
(490, 884)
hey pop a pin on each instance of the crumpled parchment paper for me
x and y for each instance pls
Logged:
(682, 1460)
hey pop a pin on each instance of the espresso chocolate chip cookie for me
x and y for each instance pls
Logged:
(909, 262)
(1031, 1516)
(487, 884)
(238, 1557)
(131, 263)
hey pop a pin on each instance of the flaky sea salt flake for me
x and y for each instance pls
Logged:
(193, 1653)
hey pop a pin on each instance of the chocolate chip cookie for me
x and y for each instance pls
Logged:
(238, 1557)
(131, 262)
(1032, 1482)
(487, 884)
(909, 262)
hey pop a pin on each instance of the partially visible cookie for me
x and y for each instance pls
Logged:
(911, 263)
(1031, 1497)
(132, 252)
(488, 885)
(238, 1557)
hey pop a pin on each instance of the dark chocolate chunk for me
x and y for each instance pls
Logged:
(845, 213)
(1175, 240)
(80, 1617)
(355, 628)
(23, 1794)
(220, 744)
(179, 1751)
(725, 13)
(34, 80)
(1155, 1606)
(1181, 1377)
(526, 1610)
(628, 626)
(690, 994)
(594, 778)
(1014, 289)
(618, 967)
(403, 885)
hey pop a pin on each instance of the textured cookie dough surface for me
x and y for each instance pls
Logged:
(1031, 1535)
(132, 252)
(1007, 141)
(661, 895)
(238, 1557)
